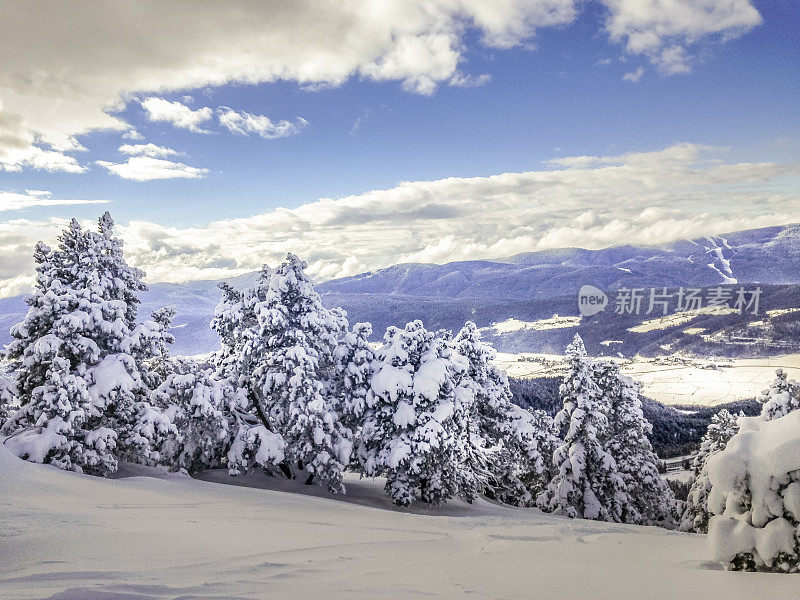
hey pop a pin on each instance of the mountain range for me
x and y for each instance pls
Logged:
(526, 287)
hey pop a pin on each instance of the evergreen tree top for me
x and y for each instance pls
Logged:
(576, 347)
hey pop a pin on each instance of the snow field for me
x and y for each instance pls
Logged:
(675, 384)
(154, 536)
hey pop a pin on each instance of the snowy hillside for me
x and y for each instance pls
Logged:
(153, 536)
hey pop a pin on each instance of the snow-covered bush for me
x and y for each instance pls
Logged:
(79, 358)
(410, 431)
(195, 402)
(722, 428)
(755, 496)
(587, 483)
(781, 398)
(648, 500)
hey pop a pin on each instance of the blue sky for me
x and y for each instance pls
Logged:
(563, 85)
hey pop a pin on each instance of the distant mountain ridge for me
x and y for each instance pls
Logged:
(525, 286)
(770, 255)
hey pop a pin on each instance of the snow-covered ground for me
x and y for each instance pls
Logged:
(679, 318)
(153, 536)
(688, 382)
(511, 325)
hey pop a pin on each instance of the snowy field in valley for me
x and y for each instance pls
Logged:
(676, 382)
(153, 536)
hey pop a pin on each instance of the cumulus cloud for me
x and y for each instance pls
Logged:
(244, 123)
(662, 30)
(686, 190)
(180, 115)
(64, 74)
(132, 134)
(151, 150)
(31, 198)
(147, 168)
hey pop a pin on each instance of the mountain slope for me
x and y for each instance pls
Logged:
(770, 256)
(527, 286)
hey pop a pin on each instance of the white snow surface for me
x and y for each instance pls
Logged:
(689, 383)
(149, 535)
(510, 325)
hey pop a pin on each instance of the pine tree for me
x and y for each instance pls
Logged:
(648, 499)
(782, 397)
(161, 365)
(278, 345)
(232, 319)
(587, 484)
(51, 428)
(80, 330)
(195, 401)
(507, 450)
(254, 440)
(353, 363)
(409, 431)
(722, 428)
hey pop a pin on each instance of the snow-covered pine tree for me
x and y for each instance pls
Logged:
(523, 465)
(782, 397)
(353, 362)
(586, 484)
(51, 426)
(232, 320)
(119, 280)
(161, 365)
(409, 432)
(285, 363)
(300, 336)
(195, 402)
(722, 428)
(84, 305)
(648, 499)
(254, 439)
(507, 450)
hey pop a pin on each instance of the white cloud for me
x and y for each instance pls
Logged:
(686, 190)
(38, 193)
(147, 168)
(132, 134)
(146, 150)
(180, 115)
(634, 76)
(62, 74)
(19, 149)
(245, 123)
(468, 81)
(663, 29)
(15, 201)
